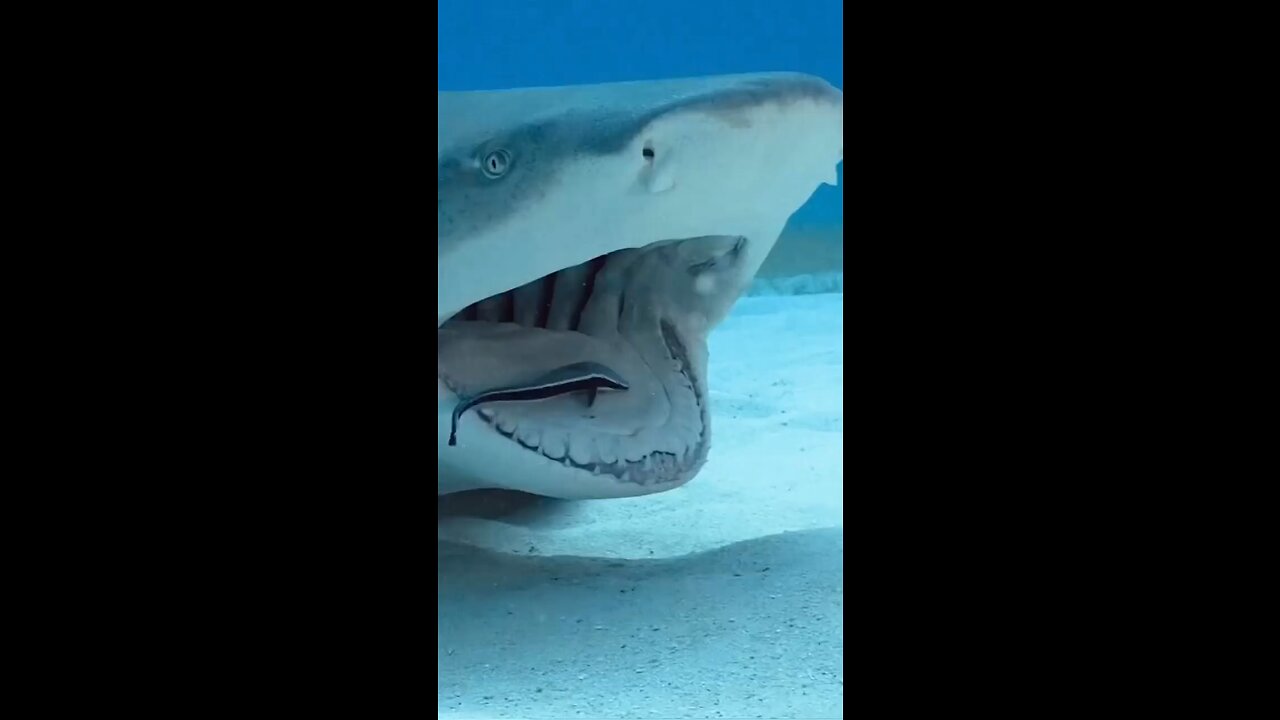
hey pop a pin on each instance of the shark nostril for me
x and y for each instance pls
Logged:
(657, 178)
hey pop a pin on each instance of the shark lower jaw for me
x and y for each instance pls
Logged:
(611, 445)
(644, 314)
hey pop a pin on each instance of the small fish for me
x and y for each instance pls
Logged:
(588, 376)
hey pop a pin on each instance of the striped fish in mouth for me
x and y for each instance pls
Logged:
(578, 377)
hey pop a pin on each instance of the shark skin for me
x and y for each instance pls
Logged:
(609, 226)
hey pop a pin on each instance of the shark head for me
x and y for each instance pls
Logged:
(589, 239)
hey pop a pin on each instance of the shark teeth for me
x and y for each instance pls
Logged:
(607, 449)
(582, 448)
(553, 446)
(530, 437)
(635, 452)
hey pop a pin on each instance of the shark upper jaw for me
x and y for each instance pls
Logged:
(737, 158)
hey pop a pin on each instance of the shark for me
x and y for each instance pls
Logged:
(590, 238)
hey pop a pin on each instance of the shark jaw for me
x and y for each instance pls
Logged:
(625, 255)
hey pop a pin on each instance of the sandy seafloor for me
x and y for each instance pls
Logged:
(723, 598)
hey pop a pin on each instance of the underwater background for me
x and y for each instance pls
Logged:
(723, 598)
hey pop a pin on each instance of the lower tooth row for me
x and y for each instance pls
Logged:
(595, 453)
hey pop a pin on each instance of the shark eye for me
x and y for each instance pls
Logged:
(495, 164)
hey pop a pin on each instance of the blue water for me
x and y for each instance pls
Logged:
(494, 44)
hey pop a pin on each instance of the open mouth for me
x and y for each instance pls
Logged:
(637, 319)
